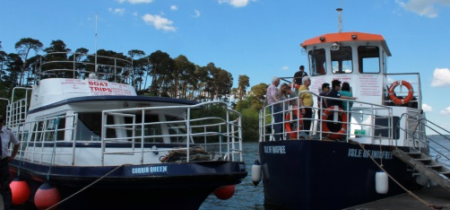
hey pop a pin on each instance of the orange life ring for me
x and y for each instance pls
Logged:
(398, 100)
(343, 116)
(287, 124)
(295, 86)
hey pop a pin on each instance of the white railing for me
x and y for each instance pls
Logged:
(364, 127)
(209, 138)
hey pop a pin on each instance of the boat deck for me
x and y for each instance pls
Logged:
(436, 196)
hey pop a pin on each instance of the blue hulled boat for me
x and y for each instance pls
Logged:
(86, 133)
(347, 156)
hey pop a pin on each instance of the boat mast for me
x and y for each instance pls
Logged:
(95, 43)
(340, 19)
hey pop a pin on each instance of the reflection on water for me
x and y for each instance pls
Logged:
(246, 196)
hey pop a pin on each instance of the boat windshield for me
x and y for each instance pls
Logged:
(369, 59)
(318, 62)
(341, 60)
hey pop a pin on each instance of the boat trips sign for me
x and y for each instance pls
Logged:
(95, 87)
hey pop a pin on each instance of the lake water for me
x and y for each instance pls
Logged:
(246, 195)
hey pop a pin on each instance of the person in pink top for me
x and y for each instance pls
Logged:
(273, 96)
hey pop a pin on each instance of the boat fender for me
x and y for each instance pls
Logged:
(225, 192)
(381, 182)
(46, 196)
(20, 191)
(256, 172)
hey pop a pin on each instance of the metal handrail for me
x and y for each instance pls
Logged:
(372, 109)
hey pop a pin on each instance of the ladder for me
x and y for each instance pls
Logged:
(432, 169)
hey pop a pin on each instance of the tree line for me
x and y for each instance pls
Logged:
(155, 74)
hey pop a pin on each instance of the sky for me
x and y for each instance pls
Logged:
(257, 38)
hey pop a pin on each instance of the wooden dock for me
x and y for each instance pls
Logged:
(436, 196)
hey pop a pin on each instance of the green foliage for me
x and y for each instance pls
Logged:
(250, 125)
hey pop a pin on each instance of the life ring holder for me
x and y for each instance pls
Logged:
(343, 131)
(399, 101)
(287, 124)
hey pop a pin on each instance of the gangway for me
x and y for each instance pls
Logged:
(422, 161)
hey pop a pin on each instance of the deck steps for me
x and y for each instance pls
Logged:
(434, 170)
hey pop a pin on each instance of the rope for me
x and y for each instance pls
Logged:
(404, 188)
(84, 188)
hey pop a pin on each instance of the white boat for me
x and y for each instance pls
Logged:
(104, 147)
(383, 134)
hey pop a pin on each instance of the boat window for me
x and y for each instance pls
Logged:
(369, 59)
(317, 62)
(89, 127)
(341, 60)
(151, 130)
(49, 130)
(176, 128)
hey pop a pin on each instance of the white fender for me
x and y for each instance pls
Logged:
(381, 182)
(256, 172)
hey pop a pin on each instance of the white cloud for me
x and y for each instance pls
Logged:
(446, 111)
(427, 108)
(174, 7)
(425, 8)
(118, 11)
(159, 22)
(285, 68)
(136, 1)
(197, 13)
(135, 14)
(235, 3)
(441, 77)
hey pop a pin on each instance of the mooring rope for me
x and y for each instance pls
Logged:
(404, 188)
(84, 188)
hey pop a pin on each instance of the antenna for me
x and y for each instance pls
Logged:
(95, 43)
(340, 19)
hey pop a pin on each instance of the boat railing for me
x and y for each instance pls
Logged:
(438, 141)
(366, 128)
(36, 135)
(80, 65)
(220, 136)
(54, 140)
(17, 108)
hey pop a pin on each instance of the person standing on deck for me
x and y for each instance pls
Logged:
(322, 102)
(298, 77)
(6, 137)
(306, 103)
(273, 96)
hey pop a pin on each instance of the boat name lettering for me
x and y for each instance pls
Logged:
(274, 149)
(359, 153)
(149, 170)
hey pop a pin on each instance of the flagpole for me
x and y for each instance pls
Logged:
(96, 43)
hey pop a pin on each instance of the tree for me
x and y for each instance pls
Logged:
(24, 46)
(159, 61)
(58, 51)
(244, 82)
(259, 91)
(182, 74)
(132, 54)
